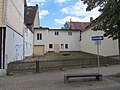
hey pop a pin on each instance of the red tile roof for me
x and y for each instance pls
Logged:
(79, 25)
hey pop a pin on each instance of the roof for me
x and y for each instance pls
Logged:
(79, 25)
(25, 3)
(29, 15)
(41, 28)
(93, 23)
(65, 29)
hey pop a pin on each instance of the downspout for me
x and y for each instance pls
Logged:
(33, 40)
(5, 2)
(3, 12)
(2, 49)
(24, 41)
(4, 33)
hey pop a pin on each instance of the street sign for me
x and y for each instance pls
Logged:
(97, 42)
(94, 38)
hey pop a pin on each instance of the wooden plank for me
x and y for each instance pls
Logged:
(67, 76)
(83, 75)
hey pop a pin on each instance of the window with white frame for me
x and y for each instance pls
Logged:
(56, 33)
(39, 36)
(26, 32)
(80, 35)
(50, 46)
(70, 33)
(62, 46)
(66, 46)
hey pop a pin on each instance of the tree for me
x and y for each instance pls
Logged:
(109, 20)
(66, 25)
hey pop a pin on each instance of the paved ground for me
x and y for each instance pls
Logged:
(55, 80)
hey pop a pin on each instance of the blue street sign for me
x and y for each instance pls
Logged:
(94, 38)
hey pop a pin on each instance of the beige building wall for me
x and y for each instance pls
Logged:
(15, 15)
(108, 47)
(1, 12)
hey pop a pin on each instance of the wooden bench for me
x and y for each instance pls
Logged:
(67, 76)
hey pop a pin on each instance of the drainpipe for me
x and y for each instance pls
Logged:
(2, 51)
(5, 2)
(24, 28)
(33, 40)
(3, 12)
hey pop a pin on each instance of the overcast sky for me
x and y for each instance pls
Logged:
(54, 13)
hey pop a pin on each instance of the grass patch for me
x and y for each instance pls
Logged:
(67, 55)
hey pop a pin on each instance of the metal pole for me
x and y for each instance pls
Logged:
(2, 49)
(98, 56)
(37, 66)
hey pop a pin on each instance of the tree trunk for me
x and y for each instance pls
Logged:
(119, 36)
(119, 45)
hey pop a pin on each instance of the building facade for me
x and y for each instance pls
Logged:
(27, 42)
(31, 19)
(55, 40)
(16, 31)
(108, 47)
(11, 30)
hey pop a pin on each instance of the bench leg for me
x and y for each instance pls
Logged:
(66, 79)
(99, 78)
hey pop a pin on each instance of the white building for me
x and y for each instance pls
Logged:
(31, 19)
(14, 21)
(16, 31)
(11, 31)
(108, 46)
(28, 42)
(56, 40)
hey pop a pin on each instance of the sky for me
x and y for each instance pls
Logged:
(54, 13)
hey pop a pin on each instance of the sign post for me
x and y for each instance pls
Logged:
(97, 41)
(98, 56)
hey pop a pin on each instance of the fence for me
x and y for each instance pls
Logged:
(40, 66)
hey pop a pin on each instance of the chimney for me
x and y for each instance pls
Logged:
(37, 5)
(91, 19)
(25, 3)
(70, 23)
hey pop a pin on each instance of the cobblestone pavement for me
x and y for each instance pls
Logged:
(55, 80)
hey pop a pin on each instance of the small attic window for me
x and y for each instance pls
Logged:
(28, 12)
(29, 8)
(70, 33)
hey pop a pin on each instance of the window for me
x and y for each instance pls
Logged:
(26, 32)
(62, 46)
(39, 36)
(50, 46)
(56, 33)
(26, 46)
(69, 33)
(80, 36)
(66, 46)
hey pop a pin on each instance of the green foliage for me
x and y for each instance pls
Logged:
(109, 20)
(66, 25)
